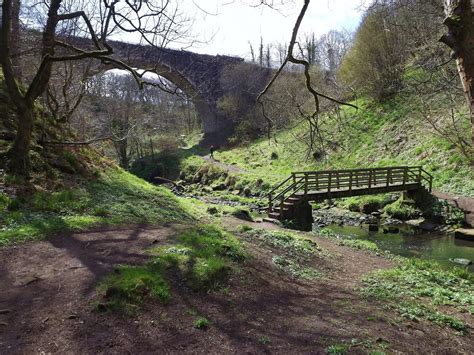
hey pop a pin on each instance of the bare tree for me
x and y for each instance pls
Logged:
(252, 53)
(67, 88)
(155, 22)
(313, 117)
(460, 24)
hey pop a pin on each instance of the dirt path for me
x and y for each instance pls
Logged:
(48, 292)
(226, 167)
(464, 203)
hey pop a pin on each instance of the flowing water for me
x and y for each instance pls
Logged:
(411, 242)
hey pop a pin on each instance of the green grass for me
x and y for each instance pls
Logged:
(416, 288)
(353, 243)
(359, 244)
(130, 286)
(415, 311)
(288, 241)
(375, 135)
(202, 258)
(115, 198)
(295, 269)
(293, 253)
(201, 323)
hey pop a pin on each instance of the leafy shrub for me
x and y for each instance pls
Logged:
(401, 210)
(5, 201)
(201, 323)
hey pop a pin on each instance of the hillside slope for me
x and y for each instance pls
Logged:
(389, 134)
(73, 187)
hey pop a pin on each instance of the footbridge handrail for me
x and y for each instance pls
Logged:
(373, 180)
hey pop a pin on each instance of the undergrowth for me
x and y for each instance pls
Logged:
(402, 210)
(353, 243)
(115, 198)
(416, 288)
(202, 258)
(293, 253)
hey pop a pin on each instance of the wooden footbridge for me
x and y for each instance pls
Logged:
(317, 186)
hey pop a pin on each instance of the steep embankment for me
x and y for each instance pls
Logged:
(393, 133)
(73, 187)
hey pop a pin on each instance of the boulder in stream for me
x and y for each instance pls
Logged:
(461, 261)
(373, 228)
(429, 226)
(415, 222)
(464, 233)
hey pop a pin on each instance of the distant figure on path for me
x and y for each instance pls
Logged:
(211, 149)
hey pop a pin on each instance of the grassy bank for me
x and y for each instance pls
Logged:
(417, 289)
(420, 289)
(114, 198)
(378, 134)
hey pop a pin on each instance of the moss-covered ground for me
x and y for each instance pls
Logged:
(114, 198)
(201, 257)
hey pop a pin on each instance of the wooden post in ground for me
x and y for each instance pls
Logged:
(282, 204)
(305, 184)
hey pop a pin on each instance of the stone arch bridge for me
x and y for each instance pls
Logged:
(199, 76)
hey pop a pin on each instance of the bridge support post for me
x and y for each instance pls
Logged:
(300, 217)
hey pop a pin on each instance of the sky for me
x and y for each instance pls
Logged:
(226, 26)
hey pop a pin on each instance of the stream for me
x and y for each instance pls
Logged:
(392, 235)
(403, 239)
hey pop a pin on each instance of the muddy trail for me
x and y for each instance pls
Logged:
(48, 303)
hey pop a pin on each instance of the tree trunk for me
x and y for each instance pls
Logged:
(15, 40)
(460, 38)
(18, 155)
